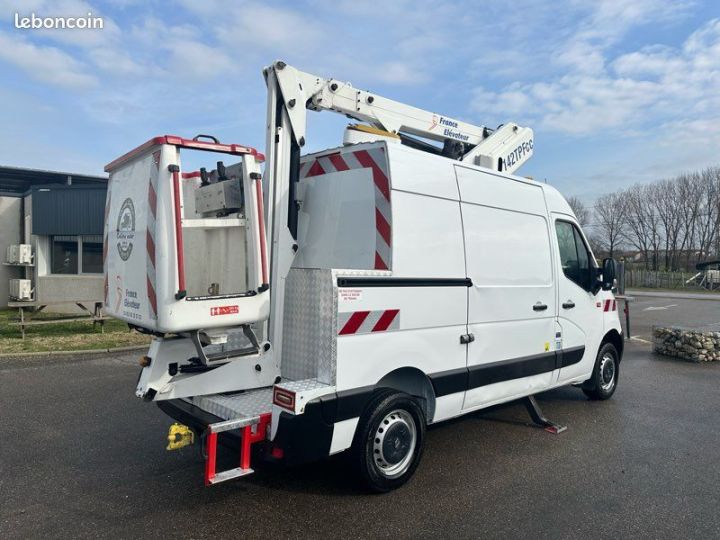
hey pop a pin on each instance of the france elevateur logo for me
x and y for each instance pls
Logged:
(126, 229)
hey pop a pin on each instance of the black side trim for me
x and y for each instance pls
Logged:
(568, 357)
(462, 379)
(449, 382)
(402, 282)
(350, 403)
(506, 370)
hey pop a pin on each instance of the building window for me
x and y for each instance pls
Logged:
(76, 255)
(64, 258)
(91, 260)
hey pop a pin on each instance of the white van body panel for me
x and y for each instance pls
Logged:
(430, 321)
(422, 173)
(427, 237)
(480, 186)
(449, 220)
(509, 262)
(434, 278)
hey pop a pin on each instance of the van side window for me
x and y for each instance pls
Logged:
(574, 255)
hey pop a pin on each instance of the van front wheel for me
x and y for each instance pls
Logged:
(389, 441)
(605, 375)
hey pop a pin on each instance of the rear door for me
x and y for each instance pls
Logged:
(512, 301)
(580, 312)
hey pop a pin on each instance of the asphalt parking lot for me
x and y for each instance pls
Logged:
(672, 309)
(81, 457)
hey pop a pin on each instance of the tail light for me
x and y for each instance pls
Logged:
(284, 398)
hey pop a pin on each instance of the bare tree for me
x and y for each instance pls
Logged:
(677, 217)
(689, 190)
(708, 223)
(611, 218)
(582, 212)
(642, 224)
(665, 199)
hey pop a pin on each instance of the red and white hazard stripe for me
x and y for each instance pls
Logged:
(375, 160)
(610, 305)
(366, 322)
(150, 234)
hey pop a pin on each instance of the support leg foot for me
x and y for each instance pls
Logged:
(538, 417)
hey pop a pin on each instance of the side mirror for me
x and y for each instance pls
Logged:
(608, 274)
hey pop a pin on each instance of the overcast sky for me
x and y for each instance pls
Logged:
(617, 91)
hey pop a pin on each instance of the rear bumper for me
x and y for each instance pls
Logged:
(303, 438)
(188, 414)
(198, 420)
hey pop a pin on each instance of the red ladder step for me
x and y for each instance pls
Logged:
(249, 436)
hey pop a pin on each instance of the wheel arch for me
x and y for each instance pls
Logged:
(614, 337)
(414, 382)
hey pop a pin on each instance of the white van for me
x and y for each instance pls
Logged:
(417, 288)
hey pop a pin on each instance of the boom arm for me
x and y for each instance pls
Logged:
(504, 149)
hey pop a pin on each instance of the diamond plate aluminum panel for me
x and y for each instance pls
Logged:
(250, 403)
(303, 386)
(309, 340)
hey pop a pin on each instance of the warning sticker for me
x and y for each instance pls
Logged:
(224, 310)
(349, 295)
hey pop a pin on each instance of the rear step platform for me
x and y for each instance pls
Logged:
(252, 429)
(247, 414)
(230, 406)
(248, 411)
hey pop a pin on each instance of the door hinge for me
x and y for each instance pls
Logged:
(467, 338)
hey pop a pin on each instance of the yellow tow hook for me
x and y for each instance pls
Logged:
(179, 436)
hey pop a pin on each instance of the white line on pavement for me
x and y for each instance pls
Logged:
(657, 308)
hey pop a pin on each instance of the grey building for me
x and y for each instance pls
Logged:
(60, 215)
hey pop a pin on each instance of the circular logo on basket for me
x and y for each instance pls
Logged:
(126, 229)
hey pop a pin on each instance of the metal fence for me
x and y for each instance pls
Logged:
(665, 280)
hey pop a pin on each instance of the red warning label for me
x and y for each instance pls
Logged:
(224, 310)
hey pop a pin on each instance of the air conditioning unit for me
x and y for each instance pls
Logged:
(21, 289)
(19, 254)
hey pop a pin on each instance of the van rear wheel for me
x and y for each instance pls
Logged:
(389, 441)
(605, 375)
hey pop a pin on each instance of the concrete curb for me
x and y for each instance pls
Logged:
(84, 352)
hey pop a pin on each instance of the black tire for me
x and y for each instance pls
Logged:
(386, 464)
(606, 374)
